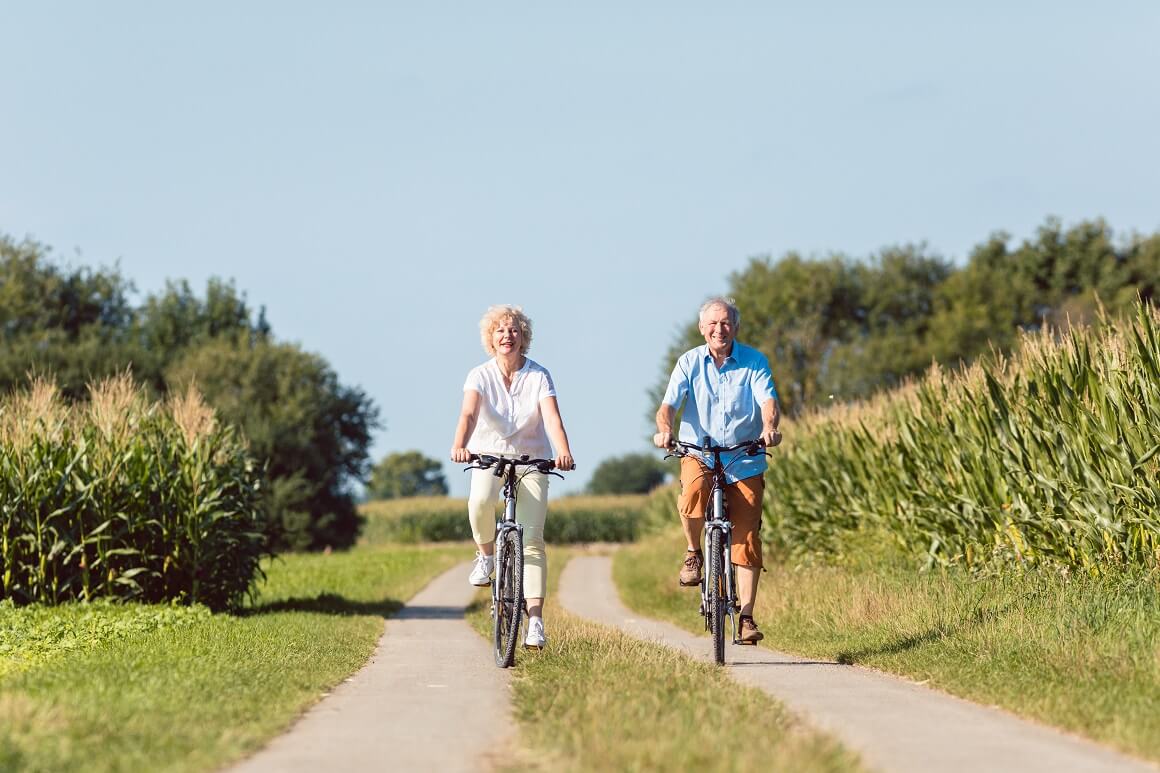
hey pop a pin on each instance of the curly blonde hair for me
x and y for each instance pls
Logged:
(494, 316)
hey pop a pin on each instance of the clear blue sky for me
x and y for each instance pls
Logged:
(377, 174)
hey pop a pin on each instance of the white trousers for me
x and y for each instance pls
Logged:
(531, 510)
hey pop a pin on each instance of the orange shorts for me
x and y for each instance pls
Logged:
(743, 500)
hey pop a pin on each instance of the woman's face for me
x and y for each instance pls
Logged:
(506, 337)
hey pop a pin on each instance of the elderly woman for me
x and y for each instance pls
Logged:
(509, 409)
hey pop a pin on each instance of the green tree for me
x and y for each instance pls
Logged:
(628, 474)
(313, 431)
(71, 323)
(407, 474)
(79, 325)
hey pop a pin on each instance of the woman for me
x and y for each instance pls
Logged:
(509, 409)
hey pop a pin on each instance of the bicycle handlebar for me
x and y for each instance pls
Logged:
(681, 448)
(487, 461)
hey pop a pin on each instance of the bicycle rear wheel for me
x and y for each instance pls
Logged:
(509, 594)
(715, 580)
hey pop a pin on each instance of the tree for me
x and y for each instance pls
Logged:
(628, 474)
(78, 326)
(71, 323)
(313, 431)
(407, 474)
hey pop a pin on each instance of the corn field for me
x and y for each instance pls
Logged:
(1050, 456)
(124, 498)
(570, 520)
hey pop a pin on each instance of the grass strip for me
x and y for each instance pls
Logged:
(1079, 653)
(597, 699)
(194, 696)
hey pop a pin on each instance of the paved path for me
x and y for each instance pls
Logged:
(896, 725)
(431, 698)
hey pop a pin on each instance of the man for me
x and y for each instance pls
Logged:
(728, 394)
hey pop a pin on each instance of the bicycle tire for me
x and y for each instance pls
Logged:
(716, 586)
(509, 606)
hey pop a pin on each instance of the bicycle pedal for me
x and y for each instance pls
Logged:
(535, 647)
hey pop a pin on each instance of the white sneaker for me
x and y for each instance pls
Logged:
(481, 572)
(536, 637)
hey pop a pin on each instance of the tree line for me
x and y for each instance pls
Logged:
(80, 325)
(837, 328)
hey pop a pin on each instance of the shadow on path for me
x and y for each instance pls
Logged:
(431, 613)
(329, 604)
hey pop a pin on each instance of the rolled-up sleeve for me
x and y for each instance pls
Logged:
(762, 381)
(678, 387)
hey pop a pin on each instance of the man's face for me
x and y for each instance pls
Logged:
(717, 329)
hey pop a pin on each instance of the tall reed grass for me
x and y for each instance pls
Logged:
(125, 498)
(1049, 456)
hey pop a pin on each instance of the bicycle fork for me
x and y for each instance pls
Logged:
(508, 523)
(719, 523)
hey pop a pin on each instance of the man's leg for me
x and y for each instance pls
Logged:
(747, 577)
(695, 485)
(693, 528)
(744, 499)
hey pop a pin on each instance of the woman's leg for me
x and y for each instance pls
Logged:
(531, 511)
(481, 514)
(485, 489)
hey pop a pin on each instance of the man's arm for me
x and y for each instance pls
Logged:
(770, 418)
(664, 436)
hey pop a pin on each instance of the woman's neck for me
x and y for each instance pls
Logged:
(509, 363)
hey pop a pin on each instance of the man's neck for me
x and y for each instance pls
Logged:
(720, 357)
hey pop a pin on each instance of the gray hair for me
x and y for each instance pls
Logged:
(728, 304)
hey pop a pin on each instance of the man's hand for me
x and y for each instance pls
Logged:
(663, 440)
(460, 455)
(771, 437)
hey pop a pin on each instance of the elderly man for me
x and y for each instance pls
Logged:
(728, 394)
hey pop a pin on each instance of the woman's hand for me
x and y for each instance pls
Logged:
(565, 462)
(460, 455)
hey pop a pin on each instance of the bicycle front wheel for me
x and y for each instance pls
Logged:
(509, 594)
(715, 582)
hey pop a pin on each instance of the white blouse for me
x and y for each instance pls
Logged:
(510, 421)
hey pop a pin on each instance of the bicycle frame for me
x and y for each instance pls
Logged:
(508, 602)
(717, 523)
(717, 518)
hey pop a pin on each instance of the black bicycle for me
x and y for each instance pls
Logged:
(507, 589)
(719, 578)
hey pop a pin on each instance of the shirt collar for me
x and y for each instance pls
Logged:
(707, 355)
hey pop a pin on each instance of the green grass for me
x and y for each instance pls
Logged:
(1079, 653)
(156, 688)
(597, 699)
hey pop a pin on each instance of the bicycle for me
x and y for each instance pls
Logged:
(507, 589)
(719, 578)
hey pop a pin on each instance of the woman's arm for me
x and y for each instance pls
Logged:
(468, 415)
(555, 427)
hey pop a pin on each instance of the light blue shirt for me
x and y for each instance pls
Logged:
(724, 403)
